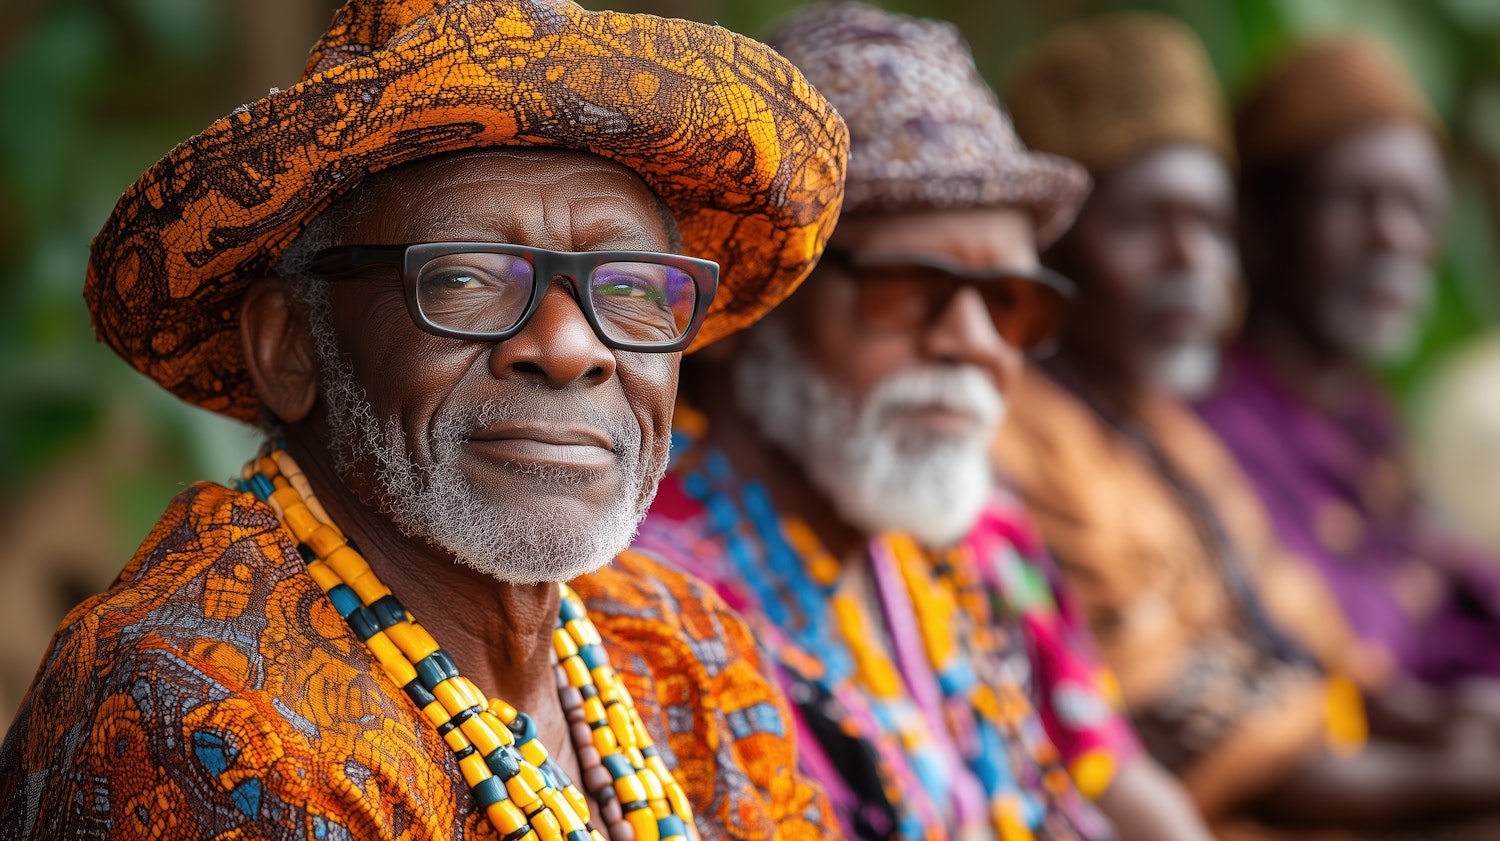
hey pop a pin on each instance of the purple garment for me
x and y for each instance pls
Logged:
(1334, 489)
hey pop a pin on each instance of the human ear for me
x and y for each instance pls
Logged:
(278, 351)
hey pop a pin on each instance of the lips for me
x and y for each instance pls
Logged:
(563, 446)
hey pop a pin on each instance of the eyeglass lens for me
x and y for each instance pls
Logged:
(634, 302)
(1025, 313)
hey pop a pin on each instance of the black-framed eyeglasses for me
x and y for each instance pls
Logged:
(483, 291)
(905, 292)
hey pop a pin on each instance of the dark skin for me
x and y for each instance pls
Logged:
(1143, 801)
(1381, 190)
(1164, 214)
(498, 633)
(1168, 212)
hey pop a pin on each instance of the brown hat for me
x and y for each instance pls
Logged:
(747, 156)
(1101, 91)
(1321, 90)
(925, 131)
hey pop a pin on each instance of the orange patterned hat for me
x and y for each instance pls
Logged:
(747, 156)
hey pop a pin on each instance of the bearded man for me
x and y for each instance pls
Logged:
(1220, 636)
(830, 474)
(1345, 195)
(446, 273)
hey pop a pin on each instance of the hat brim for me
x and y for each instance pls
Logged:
(746, 155)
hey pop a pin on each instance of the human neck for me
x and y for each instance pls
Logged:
(1104, 381)
(757, 459)
(1319, 375)
(499, 635)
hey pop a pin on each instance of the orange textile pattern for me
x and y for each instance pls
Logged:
(214, 692)
(744, 152)
(1211, 698)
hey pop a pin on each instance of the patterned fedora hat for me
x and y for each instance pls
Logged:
(744, 152)
(926, 132)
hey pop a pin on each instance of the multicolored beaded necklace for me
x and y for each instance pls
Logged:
(799, 590)
(521, 788)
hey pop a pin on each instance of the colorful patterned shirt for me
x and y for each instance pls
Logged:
(911, 758)
(214, 692)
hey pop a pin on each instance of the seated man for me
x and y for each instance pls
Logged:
(444, 272)
(1343, 210)
(830, 476)
(1218, 635)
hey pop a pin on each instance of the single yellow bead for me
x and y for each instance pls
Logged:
(400, 671)
(577, 672)
(384, 650)
(644, 824)
(323, 574)
(347, 563)
(629, 789)
(546, 826)
(480, 735)
(593, 710)
(605, 676)
(577, 801)
(654, 791)
(325, 539)
(436, 714)
(619, 721)
(474, 769)
(471, 694)
(455, 739)
(523, 794)
(534, 752)
(300, 519)
(583, 632)
(505, 817)
(533, 778)
(605, 741)
(413, 640)
(501, 710)
(634, 755)
(564, 645)
(369, 588)
(567, 819)
(267, 466)
(452, 697)
(497, 726)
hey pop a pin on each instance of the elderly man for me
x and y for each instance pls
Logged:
(1343, 207)
(830, 476)
(446, 272)
(1215, 630)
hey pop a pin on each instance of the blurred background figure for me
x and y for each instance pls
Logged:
(1222, 640)
(1344, 202)
(829, 476)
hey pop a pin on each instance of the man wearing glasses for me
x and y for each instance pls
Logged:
(444, 274)
(831, 475)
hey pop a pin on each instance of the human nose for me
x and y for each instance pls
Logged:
(965, 334)
(557, 346)
(1396, 224)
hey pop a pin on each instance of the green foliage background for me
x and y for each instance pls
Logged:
(93, 91)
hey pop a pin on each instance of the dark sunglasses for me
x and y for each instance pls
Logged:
(900, 293)
(484, 291)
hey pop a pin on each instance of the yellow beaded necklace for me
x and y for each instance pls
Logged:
(518, 785)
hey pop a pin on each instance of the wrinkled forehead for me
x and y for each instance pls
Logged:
(977, 238)
(1391, 153)
(507, 195)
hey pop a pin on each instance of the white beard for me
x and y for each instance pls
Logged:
(439, 504)
(1370, 335)
(1187, 371)
(880, 476)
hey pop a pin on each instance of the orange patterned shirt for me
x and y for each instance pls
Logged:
(213, 692)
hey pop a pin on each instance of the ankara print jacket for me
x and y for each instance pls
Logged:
(213, 692)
